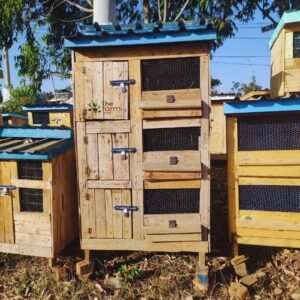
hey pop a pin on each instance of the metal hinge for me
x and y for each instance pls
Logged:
(85, 139)
(90, 230)
(83, 70)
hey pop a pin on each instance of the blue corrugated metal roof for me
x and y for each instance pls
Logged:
(13, 115)
(61, 107)
(31, 143)
(261, 106)
(138, 34)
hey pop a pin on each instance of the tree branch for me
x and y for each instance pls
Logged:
(265, 14)
(158, 10)
(90, 10)
(90, 3)
(182, 10)
(165, 10)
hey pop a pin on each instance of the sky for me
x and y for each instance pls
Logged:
(238, 59)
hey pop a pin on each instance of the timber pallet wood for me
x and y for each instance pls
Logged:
(264, 172)
(142, 138)
(38, 210)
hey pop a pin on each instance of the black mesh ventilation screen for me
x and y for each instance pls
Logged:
(41, 118)
(171, 74)
(30, 170)
(31, 200)
(270, 198)
(171, 139)
(296, 45)
(281, 132)
(171, 201)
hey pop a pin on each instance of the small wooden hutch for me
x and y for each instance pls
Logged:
(285, 52)
(142, 102)
(38, 195)
(52, 115)
(264, 172)
(14, 119)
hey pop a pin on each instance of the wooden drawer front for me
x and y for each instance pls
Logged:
(172, 161)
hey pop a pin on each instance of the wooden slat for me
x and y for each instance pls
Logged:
(171, 113)
(100, 208)
(152, 176)
(117, 215)
(109, 184)
(33, 239)
(92, 156)
(105, 157)
(269, 181)
(162, 104)
(160, 161)
(32, 223)
(108, 126)
(172, 123)
(271, 242)
(269, 216)
(172, 184)
(121, 166)
(289, 45)
(33, 184)
(127, 221)
(109, 214)
(173, 237)
(26, 250)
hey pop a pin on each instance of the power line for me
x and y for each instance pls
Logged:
(241, 56)
(239, 64)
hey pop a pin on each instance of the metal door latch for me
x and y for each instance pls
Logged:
(56, 120)
(126, 209)
(170, 98)
(123, 151)
(122, 84)
(6, 189)
(174, 160)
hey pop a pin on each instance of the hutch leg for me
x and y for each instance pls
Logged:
(202, 272)
(51, 262)
(85, 267)
(235, 249)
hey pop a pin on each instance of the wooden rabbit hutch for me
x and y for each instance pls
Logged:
(51, 115)
(285, 52)
(264, 172)
(14, 119)
(38, 207)
(142, 128)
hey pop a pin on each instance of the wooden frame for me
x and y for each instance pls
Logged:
(281, 168)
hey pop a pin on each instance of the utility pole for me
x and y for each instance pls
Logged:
(104, 11)
(6, 69)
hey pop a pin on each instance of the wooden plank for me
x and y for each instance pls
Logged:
(26, 250)
(105, 157)
(32, 223)
(60, 119)
(268, 181)
(292, 64)
(152, 176)
(100, 209)
(92, 156)
(109, 184)
(108, 126)
(269, 216)
(109, 214)
(172, 123)
(144, 52)
(171, 113)
(135, 140)
(291, 83)
(33, 184)
(271, 242)
(117, 215)
(173, 184)
(173, 237)
(188, 161)
(33, 239)
(127, 221)
(121, 166)
(289, 45)
(162, 104)
(142, 245)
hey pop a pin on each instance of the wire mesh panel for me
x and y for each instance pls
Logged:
(31, 200)
(280, 132)
(171, 139)
(296, 45)
(269, 198)
(41, 118)
(32, 170)
(171, 201)
(170, 74)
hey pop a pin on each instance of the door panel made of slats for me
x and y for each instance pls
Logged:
(7, 234)
(95, 97)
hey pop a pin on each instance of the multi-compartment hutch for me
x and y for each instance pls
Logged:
(38, 195)
(264, 172)
(52, 115)
(285, 52)
(142, 129)
(14, 119)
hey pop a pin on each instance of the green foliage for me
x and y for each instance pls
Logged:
(214, 84)
(20, 96)
(243, 88)
(129, 275)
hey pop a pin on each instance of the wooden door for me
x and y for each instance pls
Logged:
(6, 206)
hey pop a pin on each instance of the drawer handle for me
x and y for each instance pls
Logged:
(174, 160)
(170, 98)
(172, 224)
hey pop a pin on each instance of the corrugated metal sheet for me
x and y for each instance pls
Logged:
(262, 106)
(139, 34)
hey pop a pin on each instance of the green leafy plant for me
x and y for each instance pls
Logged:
(129, 275)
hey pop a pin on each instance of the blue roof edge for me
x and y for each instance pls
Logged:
(63, 107)
(36, 132)
(261, 106)
(141, 39)
(14, 115)
(291, 16)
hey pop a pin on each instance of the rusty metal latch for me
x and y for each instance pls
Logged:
(6, 189)
(126, 209)
(122, 84)
(172, 224)
(170, 98)
(174, 160)
(123, 151)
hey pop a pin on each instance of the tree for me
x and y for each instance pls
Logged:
(241, 89)
(214, 84)
(44, 23)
